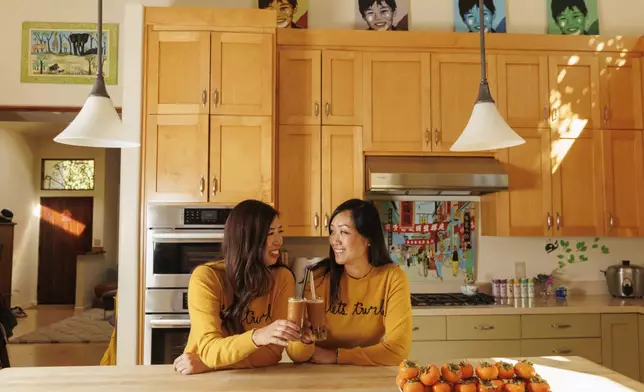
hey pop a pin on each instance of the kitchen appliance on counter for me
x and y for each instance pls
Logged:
(625, 280)
(450, 299)
(178, 239)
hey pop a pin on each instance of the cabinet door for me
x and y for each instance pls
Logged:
(623, 183)
(299, 88)
(525, 210)
(176, 158)
(178, 68)
(621, 92)
(342, 168)
(574, 97)
(242, 74)
(299, 180)
(523, 90)
(342, 87)
(241, 159)
(577, 184)
(620, 346)
(396, 102)
(455, 85)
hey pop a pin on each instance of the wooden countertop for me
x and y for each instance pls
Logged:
(565, 374)
(580, 304)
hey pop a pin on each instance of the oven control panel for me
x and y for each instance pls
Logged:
(205, 216)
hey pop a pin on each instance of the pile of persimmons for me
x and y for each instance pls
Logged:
(463, 377)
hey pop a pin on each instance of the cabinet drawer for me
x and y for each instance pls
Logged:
(590, 349)
(433, 352)
(561, 326)
(483, 327)
(429, 328)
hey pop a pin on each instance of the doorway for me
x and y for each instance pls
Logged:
(65, 231)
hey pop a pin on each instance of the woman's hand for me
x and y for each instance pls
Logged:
(189, 364)
(307, 334)
(279, 332)
(324, 356)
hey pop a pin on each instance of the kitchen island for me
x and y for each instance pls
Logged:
(563, 373)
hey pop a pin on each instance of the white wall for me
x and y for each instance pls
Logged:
(18, 194)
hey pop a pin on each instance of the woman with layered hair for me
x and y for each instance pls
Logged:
(367, 296)
(238, 306)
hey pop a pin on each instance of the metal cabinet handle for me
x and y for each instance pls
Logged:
(606, 114)
(326, 220)
(611, 222)
(327, 109)
(415, 329)
(484, 327)
(316, 107)
(560, 326)
(549, 221)
(215, 97)
(564, 351)
(546, 109)
(427, 137)
(436, 139)
(558, 221)
(204, 97)
(214, 186)
(316, 220)
(202, 184)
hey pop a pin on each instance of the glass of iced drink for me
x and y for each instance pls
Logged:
(317, 317)
(296, 309)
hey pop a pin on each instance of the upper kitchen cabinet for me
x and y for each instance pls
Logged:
(198, 72)
(320, 87)
(455, 80)
(522, 96)
(396, 110)
(621, 93)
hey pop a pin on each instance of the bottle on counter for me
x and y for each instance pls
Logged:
(510, 288)
(496, 287)
(524, 288)
(517, 288)
(530, 288)
(503, 287)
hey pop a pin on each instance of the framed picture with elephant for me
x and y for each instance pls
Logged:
(66, 53)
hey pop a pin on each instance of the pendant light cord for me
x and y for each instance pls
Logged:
(484, 88)
(98, 89)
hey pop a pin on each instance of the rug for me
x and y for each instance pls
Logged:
(86, 327)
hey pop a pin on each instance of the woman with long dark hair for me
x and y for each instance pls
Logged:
(367, 297)
(238, 306)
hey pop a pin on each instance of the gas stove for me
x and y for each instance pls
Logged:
(451, 299)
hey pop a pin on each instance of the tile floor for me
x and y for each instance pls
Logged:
(59, 354)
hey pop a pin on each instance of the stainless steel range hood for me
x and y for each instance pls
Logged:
(434, 176)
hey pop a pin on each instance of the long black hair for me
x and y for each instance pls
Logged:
(367, 221)
(244, 246)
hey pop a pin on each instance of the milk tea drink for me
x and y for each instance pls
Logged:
(296, 309)
(317, 316)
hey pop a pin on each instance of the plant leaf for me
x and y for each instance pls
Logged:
(561, 264)
(583, 258)
(571, 259)
(568, 250)
(580, 245)
(560, 256)
(595, 246)
(605, 250)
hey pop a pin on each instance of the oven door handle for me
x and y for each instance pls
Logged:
(170, 323)
(186, 236)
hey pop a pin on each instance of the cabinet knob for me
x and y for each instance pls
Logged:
(415, 329)
(436, 139)
(484, 327)
(202, 185)
(204, 97)
(558, 221)
(560, 326)
(215, 97)
(549, 221)
(564, 351)
(606, 114)
(316, 220)
(327, 109)
(316, 107)
(611, 222)
(326, 220)
(214, 186)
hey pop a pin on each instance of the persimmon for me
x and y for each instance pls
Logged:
(538, 384)
(429, 375)
(408, 369)
(488, 386)
(466, 385)
(413, 385)
(451, 372)
(487, 371)
(514, 386)
(506, 370)
(498, 384)
(467, 371)
(441, 386)
(401, 380)
(524, 369)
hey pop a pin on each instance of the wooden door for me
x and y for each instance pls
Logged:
(176, 158)
(299, 180)
(299, 87)
(241, 159)
(396, 102)
(6, 260)
(623, 183)
(621, 92)
(525, 210)
(242, 74)
(577, 189)
(574, 97)
(178, 69)
(65, 231)
(522, 96)
(455, 85)
(342, 87)
(342, 168)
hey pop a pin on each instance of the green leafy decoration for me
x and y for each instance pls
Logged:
(581, 246)
(605, 250)
(583, 258)
(596, 239)
(594, 246)
(571, 259)
(568, 250)
(571, 255)
(562, 264)
(560, 256)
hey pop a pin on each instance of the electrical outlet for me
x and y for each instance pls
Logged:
(97, 242)
(519, 270)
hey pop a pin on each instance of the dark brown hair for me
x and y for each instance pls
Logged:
(245, 235)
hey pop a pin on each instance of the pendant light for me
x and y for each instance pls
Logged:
(486, 130)
(97, 124)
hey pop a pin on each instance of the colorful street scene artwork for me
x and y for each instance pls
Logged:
(431, 241)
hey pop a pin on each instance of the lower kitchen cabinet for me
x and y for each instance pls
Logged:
(590, 349)
(620, 348)
(432, 352)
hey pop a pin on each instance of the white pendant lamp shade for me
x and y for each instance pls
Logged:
(97, 125)
(486, 130)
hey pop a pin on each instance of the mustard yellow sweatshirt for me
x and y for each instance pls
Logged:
(371, 324)
(217, 348)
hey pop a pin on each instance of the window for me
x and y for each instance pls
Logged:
(68, 174)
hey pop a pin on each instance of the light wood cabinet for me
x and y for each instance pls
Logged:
(320, 87)
(589, 348)
(319, 167)
(621, 91)
(620, 344)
